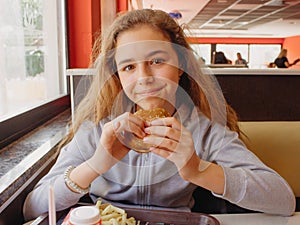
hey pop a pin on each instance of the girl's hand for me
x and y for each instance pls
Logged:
(111, 148)
(175, 143)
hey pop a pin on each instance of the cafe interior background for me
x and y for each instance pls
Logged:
(45, 50)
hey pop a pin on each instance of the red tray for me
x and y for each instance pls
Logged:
(162, 217)
(159, 217)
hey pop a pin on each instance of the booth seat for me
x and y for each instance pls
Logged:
(277, 144)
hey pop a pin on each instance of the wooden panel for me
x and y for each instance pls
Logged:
(263, 97)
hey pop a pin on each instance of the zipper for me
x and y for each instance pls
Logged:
(143, 180)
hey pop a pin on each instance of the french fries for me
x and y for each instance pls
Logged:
(112, 215)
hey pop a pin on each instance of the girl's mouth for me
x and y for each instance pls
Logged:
(150, 92)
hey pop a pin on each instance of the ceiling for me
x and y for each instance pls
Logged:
(233, 18)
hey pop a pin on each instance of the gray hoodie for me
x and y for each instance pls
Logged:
(149, 181)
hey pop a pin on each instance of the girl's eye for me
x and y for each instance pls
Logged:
(128, 68)
(157, 61)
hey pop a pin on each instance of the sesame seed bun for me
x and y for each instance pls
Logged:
(136, 143)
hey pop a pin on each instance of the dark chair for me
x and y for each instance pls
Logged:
(205, 202)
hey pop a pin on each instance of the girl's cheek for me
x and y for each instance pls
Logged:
(125, 84)
(128, 80)
(128, 85)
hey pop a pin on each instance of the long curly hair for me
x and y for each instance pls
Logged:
(105, 87)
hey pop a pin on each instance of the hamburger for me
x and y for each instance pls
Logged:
(136, 143)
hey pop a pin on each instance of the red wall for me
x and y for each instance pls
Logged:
(80, 31)
(84, 24)
(122, 6)
(292, 44)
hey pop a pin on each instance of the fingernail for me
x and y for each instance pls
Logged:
(154, 122)
(147, 130)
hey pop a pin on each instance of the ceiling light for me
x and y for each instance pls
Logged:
(221, 17)
(276, 3)
(244, 6)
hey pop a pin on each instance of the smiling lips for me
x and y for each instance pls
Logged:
(152, 91)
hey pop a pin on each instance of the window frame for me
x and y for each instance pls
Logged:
(15, 127)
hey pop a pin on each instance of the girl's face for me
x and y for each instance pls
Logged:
(148, 67)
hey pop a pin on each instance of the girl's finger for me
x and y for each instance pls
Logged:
(161, 142)
(167, 121)
(164, 131)
(129, 123)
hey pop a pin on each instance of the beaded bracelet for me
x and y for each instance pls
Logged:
(72, 184)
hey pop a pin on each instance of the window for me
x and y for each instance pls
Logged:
(32, 54)
(202, 51)
(258, 56)
(261, 55)
(230, 51)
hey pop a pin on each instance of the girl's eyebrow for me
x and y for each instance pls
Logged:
(125, 61)
(147, 56)
(156, 52)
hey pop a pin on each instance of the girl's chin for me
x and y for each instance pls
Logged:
(149, 106)
(153, 102)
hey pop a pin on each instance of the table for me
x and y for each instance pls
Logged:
(257, 219)
(241, 219)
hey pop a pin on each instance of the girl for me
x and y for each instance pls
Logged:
(146, 63)
(282, 61)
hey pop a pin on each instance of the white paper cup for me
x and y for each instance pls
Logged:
(85, 215)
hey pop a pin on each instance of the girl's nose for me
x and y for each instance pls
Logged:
(144, 73)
